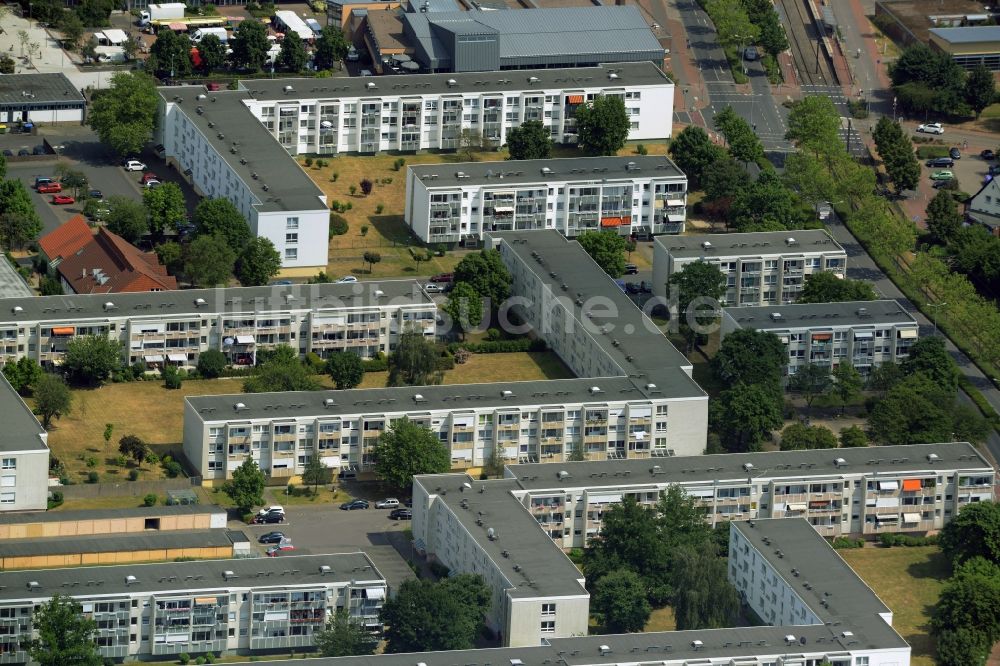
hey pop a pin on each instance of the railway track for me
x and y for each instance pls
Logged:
(803, 37)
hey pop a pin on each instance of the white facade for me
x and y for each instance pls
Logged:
(983, 207)
(24, 455)
(460, 202)
(429, 111)
(761, 268)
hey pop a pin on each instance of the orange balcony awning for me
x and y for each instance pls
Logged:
(63, 330)
(574, 99)
(911, 484)
(822, 337)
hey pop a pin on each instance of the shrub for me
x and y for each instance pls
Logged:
(121, 460)
(439, 570)
(55, 499)
(133, 475)
(379, 208)
(315, 363)
(173, 469)
(199, 660)
(844, 542)
(338, 225)
(500, 346)
(149, 500)
(364, 229)
(334, 176)
(93, 477)
(309, 161)
(930, 152)
(184, 657)
(211, 363)
(398, 164)
(171, 378)
(888, 540)
(366, 186)
(641, 150)
(352, 189)
(209, 658)
(462, 356)
(378, 363)
(493, 334)
(91, 461)
(321, 164)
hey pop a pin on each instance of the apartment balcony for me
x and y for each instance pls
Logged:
(596, 439)
(638, 454)
(462, 446)
(239, 440)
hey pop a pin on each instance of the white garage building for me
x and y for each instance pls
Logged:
(40, 98)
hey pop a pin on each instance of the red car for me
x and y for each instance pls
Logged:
(148, 176)
(443, 277)
(277, 549)
(61, 199)
(49, 188)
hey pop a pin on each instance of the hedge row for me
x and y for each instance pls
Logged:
(500, 346)
(889, 540)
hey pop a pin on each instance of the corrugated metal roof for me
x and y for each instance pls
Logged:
(969, 34)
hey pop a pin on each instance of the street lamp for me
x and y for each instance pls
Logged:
(934, 314)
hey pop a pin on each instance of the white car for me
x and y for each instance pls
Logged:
(346, 279)
(931, 128)
(271, 509)
(433, 288)
(387, 503)
(134, 165)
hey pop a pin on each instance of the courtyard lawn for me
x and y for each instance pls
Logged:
(909, 581)
(488, 368)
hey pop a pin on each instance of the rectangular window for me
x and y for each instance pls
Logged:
(292, 223)
(291, 253)
(8, 481)
(548, 626)
(291, 238)
(6, 498)
(548, 609)
(9, 463)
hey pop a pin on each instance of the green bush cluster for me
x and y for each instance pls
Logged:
(500, 346)
(888, 540)
(379, 363)
(930, 152)
(845, 543)
(149, 500)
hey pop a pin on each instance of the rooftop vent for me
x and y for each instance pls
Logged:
(108, 305)
(789, 241)
(790, 638)
(379, 293)
(329, 402)
(546, 171)
(129, 580)
(595, 389)
(532, 79)
(933, 457)
(605, 649)
(198, 302)
(288, 89)
(775, 316)
(324, 569)
(840, 462)
(16, 309)
(227, 574)
(706, 245)
(506, 394)
(563, 474)
(747, 467)
(417, 397)
(612, 76)
(452, 82)
(239, 406)
(697, 645)
(33, 585)
(370, 86)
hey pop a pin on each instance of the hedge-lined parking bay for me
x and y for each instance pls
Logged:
(156, 415)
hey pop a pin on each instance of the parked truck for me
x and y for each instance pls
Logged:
(202, 33)
(170, 10)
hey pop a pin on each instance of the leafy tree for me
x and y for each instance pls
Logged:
(471, 140)
(89, 49)
(425, 616)
(930, 356)
(962, 646)
(814, 125)
(331, 47)
(529, 141)
(969, 602)
(23, 374)
(693, 151)
(165, 208)
(19, 221)
(280, 373)
(487, 274)
(749, 356)
(884, 376)
(847, 384)
(853, 437)
(606, 248)
(48, 286)
(896, 150)
(212, 52)
(744, 144)
(602, 125)
(258, 262)
(132, 447)
(75, 180)
(465, 307)
(926, 80)
(94, 13)
(704, 598)
(407, 449)
(346, 369)
(72, 29)
(745, 415)
(698, 284)
(221, 217)
(292, 57)
(3, 166)
(943, 219)
(772, 33)
(170, 55)
(372, 258)
(980, 89)
(127, 218)
(723, 178)
(109, 431)
(414, 361)
(315, 473)
(826, 287)
(732, 23)
(246, 488)
(124, 115)
(171, 255)
(209, 261)
(764, 205)
(915, 411)
(90, 359)
(52, 398)
(211, 363)
(64, 635)
(810, 381)
(344, 636)
(250, 46)
(974, 532)
(620, 599)
(798, 436)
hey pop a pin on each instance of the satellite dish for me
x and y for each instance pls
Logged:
(228, 341)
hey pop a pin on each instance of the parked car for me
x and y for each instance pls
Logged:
(269, 518)
(49, 188)
(62, 199)
(443, 277)
(401, 514)
(133, 165)
(750, 53)
(353, 55)
(277, 549)
(274, 508)
(938, 184)
(994, 169)
(38, 150)
(432, 288)
(955, 154)
(366, 72)
(272, 537)
(646, 287)
(24, 152)
(354, 504)
(148, 176)
(939, 162)
(631, 269)
(347, 279)
(387, 503)
(95, 194)
(942, 175)
(988, 154)
(631, 288)
(42, 180)
(7, 152)
(931, 128)
(152, 184)
(408, 503)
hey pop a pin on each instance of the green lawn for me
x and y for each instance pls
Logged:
(909, 581)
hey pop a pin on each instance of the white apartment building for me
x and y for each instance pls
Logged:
(174, 327)
(212, 140)
(537, 593)
(858, 492)
(862, 333)
(158, 611)
(24, 455)
(629, 195)
(633, 398)
(430, 111)
(761, 268)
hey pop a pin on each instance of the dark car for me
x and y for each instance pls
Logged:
(354, 504)
(38, 150)
(994, 169)
(268, 518)
(988, 155)
(24, 152)
(443, 277)
(646, 287)
(409, 502)
(939, 162)
(631, 287)
(7, 152)
(271, 537)
(95, 194)
(938, 184)
(631, 269)
(401, 514)
(955, 153)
